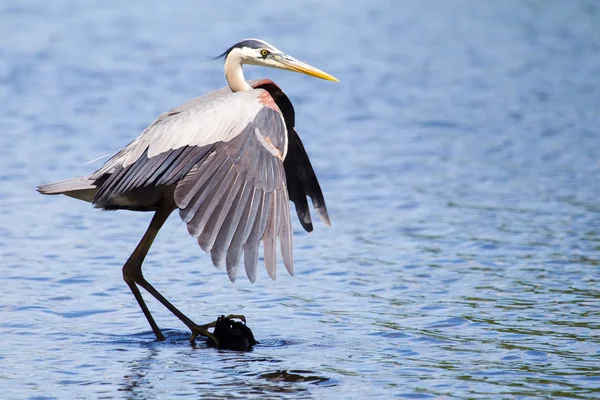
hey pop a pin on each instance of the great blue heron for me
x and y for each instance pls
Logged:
(230, 161)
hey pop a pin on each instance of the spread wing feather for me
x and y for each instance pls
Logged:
(236, 197)
(197, 123)
(225, 155)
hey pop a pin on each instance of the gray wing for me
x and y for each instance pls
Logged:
(223, 153)
(237, 196)
(217, 116)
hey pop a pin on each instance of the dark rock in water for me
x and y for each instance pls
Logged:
(232, 335)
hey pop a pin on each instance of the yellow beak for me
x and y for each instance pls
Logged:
(292, 64)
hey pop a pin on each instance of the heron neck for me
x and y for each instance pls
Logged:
(234, 74)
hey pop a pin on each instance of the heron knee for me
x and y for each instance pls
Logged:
(132, 273)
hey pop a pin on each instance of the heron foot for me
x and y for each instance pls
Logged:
(227, 334)
(202, 330)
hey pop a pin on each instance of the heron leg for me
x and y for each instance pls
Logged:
(145, 310)
(132, 269)
(132, 274)
(196, 329)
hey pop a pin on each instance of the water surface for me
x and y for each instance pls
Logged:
(458, 156)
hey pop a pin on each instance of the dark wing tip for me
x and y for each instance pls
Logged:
(303, 213)
(321, 209)
(308, 227)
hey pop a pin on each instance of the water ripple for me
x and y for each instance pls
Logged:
(458, 156)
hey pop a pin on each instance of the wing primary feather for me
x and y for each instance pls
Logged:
(232, 272)
(270, 238)
(286, 235)
(218, 216)
(198, 177)
(209, 203)
(251, 260)
(213, 196)
(260, 233)
(230, 227)
(243, 229)
(184, 191)
(252, 238)
(193, 212)
(203, 188)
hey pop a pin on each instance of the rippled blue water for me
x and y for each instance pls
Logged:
(458, 155)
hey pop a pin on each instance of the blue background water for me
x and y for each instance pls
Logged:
(459, 159)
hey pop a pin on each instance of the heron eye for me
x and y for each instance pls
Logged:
(264, 53)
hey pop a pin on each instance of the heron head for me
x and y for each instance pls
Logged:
(259, 52)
